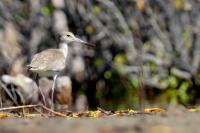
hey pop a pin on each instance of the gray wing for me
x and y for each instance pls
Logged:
(51, 59)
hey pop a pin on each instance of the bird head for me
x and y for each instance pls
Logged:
(69, 37)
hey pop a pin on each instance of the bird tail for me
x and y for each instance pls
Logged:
(28, 67)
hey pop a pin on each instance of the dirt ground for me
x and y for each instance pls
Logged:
(176, 120)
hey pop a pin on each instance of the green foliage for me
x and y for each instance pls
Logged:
(96, 9)
(98, 63)
(187, 37)
(152, 65)
(89, 29)
(120, 59)
(179, 4)
(135, 83)
(173, 82)
(182, 92)
(120, 91)
(47, 10)
(177, 91)
(107, 75)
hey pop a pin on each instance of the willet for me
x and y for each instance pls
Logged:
(49, 63)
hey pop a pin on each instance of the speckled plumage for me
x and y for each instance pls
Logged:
(48, 62)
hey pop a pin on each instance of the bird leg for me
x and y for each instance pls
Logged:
(52, 90)
(42, 94)
(36, 78)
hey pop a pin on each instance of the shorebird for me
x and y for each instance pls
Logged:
(50, 62)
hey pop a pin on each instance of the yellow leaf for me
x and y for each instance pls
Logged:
(2, 115)
(31, 115)
(154, 110)
(75, 114)
(194, 109)
(141, 5)
(125, 111)
(95, 114)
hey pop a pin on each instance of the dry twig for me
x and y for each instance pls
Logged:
(33, 106)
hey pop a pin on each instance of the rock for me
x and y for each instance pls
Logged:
(59, 21)
(63, 94)
(58, 3)
(10, 47)
(81, 103)
(17, 66)
(35, 5)
(36, 38)
(78, 68)
(26, 87)
(45, 86)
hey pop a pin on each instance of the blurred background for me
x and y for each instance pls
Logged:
(147, 52)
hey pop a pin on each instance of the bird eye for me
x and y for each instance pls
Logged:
(68, 35)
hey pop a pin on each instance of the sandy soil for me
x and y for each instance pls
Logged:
(174, 121)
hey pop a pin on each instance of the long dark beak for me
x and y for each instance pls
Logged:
(86, 43)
